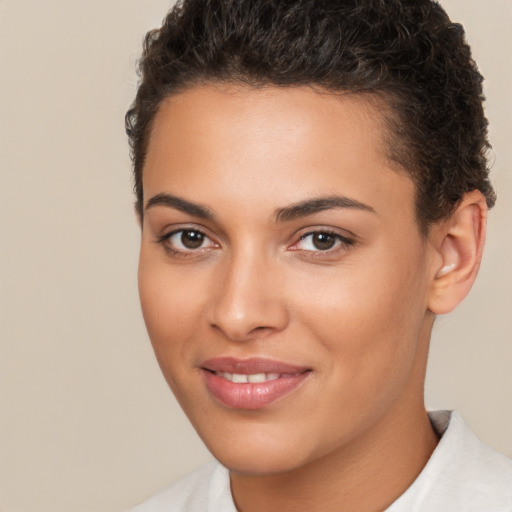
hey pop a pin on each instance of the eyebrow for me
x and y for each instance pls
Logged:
(312, 206)
(287, 213)
(183, 205)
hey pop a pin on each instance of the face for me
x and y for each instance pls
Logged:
(283, 277)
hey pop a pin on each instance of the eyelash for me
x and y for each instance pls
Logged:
(164, 240)
(341, 243)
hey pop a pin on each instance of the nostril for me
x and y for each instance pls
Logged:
(242, 312)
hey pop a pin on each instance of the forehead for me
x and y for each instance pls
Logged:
(271, 145)
(264, 115)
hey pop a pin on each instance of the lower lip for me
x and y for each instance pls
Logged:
(248, 395)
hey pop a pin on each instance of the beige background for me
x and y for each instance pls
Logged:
(87, 423)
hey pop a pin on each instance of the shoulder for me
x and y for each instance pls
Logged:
(204, 490)
(463, 474)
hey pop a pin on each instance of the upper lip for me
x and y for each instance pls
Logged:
(250, 366)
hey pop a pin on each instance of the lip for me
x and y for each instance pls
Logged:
(251, 396)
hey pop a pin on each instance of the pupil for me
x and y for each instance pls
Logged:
(192, 239)
(323, 241)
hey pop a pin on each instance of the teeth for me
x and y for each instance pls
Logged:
(257, 377)
(254, 378)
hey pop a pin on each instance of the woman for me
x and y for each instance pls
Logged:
(312, 189)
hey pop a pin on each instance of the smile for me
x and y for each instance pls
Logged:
(251, 384)
(253, 378)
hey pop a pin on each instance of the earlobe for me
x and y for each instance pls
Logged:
(459, 243)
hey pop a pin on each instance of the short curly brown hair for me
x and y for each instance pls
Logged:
(408, 52)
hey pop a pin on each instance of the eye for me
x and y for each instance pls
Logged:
(186, 241)
(321, 241)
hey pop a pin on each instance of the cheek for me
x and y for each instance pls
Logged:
(366, 335)
(171, 306)
(367, 317)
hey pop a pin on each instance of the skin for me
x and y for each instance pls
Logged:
(354, 435)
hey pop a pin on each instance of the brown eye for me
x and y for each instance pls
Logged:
(192, 239)
(323, 241)
(187, 241)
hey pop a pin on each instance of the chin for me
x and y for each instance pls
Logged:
(258, 451)
(260, 463)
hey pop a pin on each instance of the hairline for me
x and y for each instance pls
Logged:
(380, 99)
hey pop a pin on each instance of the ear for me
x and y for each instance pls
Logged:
(459, 243)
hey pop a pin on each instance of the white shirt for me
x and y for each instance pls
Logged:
(462, 475)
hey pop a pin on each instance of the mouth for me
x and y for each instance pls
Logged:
(252, 383)
(253, 378)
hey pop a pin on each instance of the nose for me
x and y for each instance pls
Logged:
(248, 300)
